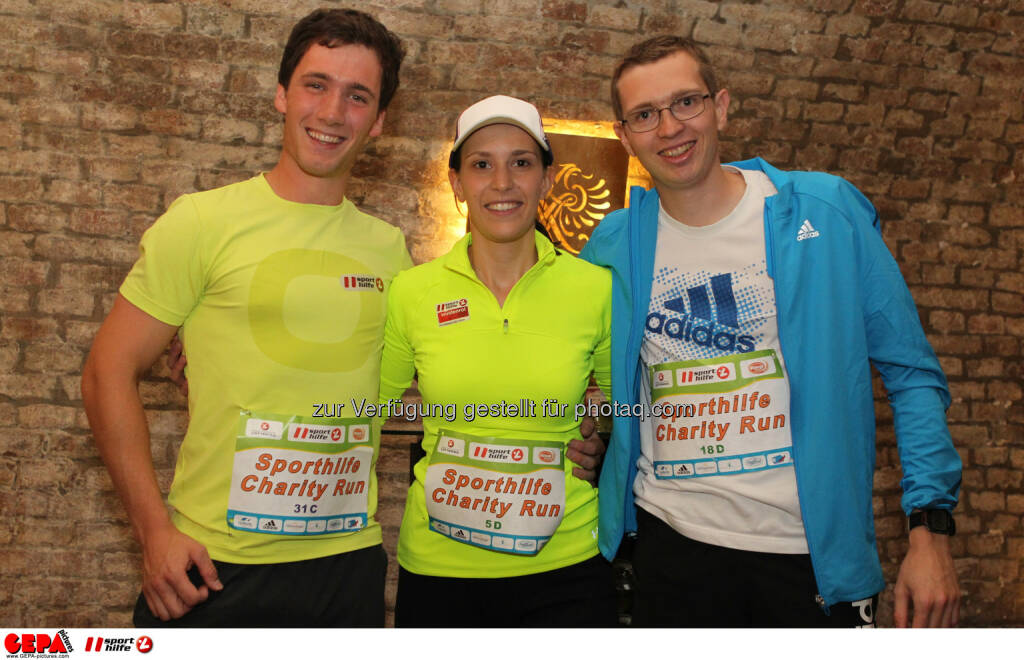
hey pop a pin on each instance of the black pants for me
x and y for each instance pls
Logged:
(345, 590)
(684, 583)
(577, 596)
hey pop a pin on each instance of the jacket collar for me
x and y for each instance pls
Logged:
(646, 201)
(783, 181)
(457, 258)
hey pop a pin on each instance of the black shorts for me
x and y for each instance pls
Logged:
(578, 596)
(685, 583)
(345, 590)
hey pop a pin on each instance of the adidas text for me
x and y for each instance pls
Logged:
(702, 335)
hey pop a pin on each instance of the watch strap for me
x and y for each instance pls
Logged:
(937, 521)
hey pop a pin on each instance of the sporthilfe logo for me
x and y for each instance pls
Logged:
(142, 644)
(358, 282)
(497, 453)
(316, 433)
(452, 312)
(701, 375)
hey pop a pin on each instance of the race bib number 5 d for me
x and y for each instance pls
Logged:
(502, 495)
(300, 476)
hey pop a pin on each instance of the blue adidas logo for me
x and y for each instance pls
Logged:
(722, 312)
(700, 304)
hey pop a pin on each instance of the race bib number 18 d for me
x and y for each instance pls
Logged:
(300, 476)
(720, 416)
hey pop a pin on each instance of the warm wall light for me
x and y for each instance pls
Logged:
(601, 129)
(604, 129)
(450, 215)
(589, 183)
(591, 180)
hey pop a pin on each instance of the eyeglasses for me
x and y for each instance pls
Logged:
(683, 108)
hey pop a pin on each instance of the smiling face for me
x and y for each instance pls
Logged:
(678, 155)
(330, 111)
(502, 179)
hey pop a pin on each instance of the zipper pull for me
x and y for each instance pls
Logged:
(505, 326)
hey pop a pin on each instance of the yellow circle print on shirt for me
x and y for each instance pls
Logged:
(302, 316)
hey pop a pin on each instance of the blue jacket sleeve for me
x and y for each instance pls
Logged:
(916, 386)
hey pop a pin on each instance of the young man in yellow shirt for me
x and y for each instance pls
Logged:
(279, 285)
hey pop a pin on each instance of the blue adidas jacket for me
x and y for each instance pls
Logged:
(841, 302)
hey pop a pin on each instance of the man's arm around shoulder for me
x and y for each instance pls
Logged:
(126, 346)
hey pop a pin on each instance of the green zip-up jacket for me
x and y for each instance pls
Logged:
(447, 328)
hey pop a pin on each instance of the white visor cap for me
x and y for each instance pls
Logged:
(501, 110)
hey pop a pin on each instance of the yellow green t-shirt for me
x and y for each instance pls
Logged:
(282, 307)
(541, 346)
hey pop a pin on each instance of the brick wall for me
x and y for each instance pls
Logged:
(110, 109)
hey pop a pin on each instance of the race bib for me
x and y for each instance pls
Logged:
(720, 416)
(300, 476)
(502, 495)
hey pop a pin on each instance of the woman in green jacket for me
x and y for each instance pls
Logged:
(502, 334)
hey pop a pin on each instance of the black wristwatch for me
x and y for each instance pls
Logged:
(937, 521)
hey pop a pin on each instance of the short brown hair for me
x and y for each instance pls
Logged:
(336, 27)
(654, 49)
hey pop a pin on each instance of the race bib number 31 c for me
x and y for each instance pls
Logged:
(720, 416)
(300, 476)
(498, 494)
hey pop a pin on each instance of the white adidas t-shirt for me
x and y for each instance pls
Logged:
(718, 464)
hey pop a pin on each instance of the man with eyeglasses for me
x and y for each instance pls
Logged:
(748, 305)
